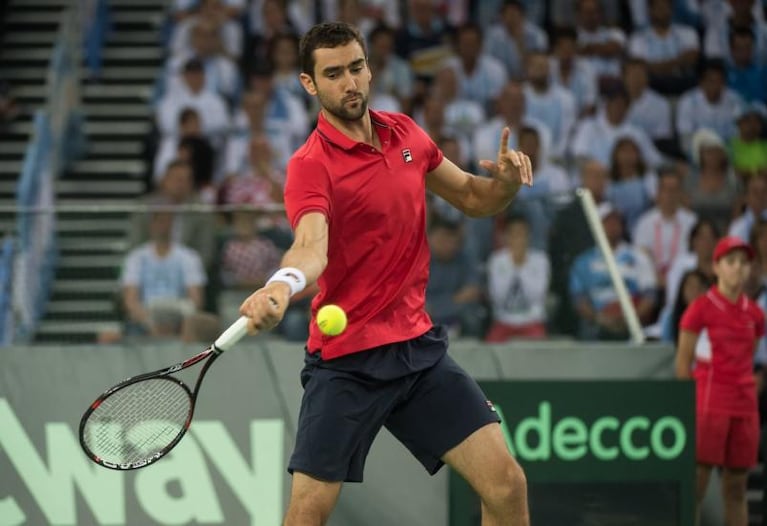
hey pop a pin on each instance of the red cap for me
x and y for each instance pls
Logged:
(728, 244)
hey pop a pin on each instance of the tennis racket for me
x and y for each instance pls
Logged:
(141, 419)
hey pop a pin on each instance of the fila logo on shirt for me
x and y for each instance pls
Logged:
(407, 155)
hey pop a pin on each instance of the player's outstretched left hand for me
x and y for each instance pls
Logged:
(511, 166)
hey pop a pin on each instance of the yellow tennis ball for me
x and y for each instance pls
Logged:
(331, 319)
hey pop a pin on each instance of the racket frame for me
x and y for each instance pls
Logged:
(211, 353)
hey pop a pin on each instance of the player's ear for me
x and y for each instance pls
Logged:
(308, 83)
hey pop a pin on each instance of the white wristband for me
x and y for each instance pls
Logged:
(295, 279)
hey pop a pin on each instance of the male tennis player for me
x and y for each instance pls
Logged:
(355, 196)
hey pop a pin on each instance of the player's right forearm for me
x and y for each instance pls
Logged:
(309, 251)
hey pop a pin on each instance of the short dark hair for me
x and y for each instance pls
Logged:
(702, 223)
(668, 171)
(177, 163)
(714, 64)
(441, 223)
(187, 114)
(380, 30)
(326, 35)
(565, 33)
(741, 32)
(468, 27)
(513, 3)
(633, 61)
(529, 130)
(516, 218)
(194, 64)
(641, 166)
(279, 37)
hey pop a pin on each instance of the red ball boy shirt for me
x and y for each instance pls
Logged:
(727, 333)
(375, 205)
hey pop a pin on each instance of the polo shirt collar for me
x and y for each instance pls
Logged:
(739, 301)
(382, 124)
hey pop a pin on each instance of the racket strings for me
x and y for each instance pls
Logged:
(138, 421)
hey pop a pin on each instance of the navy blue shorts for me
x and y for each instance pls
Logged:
(413, 388)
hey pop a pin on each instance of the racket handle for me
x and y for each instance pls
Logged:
(233, 334)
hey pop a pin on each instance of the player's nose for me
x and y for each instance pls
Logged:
(350, 82)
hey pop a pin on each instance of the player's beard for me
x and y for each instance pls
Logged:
(343, 110)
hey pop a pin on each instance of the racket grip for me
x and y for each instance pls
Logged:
(233, 334)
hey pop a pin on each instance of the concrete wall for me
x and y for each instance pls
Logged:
(251, 395)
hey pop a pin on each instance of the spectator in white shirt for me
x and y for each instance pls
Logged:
(648, 110)
(549, 103)
(534, 141)
(463, 114)
(272, 113)
(190, 145)
(480, 76)
(351, 12)
(221, 73)
(551, 181)
(162, 282)
(711, 105)
(177, 189)
(663, 230)
(510, 111)
(223, 16)
(517, 284)
(573, 73)
(755, 192)
(392, 74)
(283, 63)
(595, 137)
(512, 36)
(432, 117)
(738, 14)
(629, 190)
(603, 46)
(670, 50)
(191, 93)
(273, 19)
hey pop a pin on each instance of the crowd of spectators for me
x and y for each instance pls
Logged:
(655, 106)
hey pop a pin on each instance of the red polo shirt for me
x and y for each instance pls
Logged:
(728, 332)
(374, 201)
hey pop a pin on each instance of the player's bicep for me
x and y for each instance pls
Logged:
(450, 183)
(312, 231)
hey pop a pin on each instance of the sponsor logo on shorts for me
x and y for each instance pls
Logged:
(490, 406)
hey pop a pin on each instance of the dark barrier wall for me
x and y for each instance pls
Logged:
(623, 451)
(230, 469)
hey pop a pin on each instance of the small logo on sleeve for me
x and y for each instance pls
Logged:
(407, 155)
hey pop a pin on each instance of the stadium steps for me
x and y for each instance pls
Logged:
(25, 28)
(118, 118)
